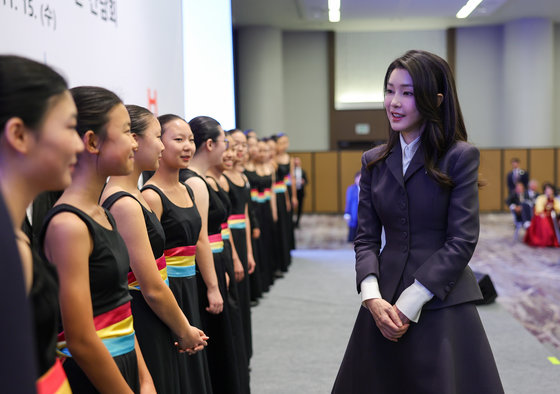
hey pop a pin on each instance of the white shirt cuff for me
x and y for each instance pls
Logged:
(412, 299)
(369, 288)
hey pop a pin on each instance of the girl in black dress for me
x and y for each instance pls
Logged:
(258, 285)
(174, 205)
(38, 148)
(81, 240)
(229, 371)
(239, 192)
(158, 320)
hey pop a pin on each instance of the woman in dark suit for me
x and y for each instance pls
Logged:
(418, 330)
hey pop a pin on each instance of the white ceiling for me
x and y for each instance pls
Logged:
(365, 15)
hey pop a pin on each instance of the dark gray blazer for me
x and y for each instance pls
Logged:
(431, 231)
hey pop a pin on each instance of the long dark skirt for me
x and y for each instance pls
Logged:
(156, 343)
(268, 256)
(283, 232)
(447, 352)
(243, 289)
(194, 372)
(225, 356)
(255, 279)
(80, 383)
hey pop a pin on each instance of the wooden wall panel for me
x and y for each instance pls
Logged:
(541, 165)
(350, 162)
(307, 165)
(326, 182)
(489, 195)
(330, 173)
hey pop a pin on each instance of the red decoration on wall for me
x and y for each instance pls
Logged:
(152, 101)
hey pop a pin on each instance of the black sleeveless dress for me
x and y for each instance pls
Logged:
(112, 315)
(268, 230)
(154, 337)
(240, 197)
(283, 225)
(182, 227)
(18, 370)
(228, 372)
(283, 172)
(255, 279)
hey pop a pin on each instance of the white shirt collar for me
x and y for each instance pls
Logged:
(408, 151)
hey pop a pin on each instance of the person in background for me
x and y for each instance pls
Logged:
(516, 174)
(520, 205)
(544, 226)
(301, 182)
(418, 329)
(351, 210)
(533, 190)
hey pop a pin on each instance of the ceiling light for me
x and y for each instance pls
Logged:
(334, 10)
(468, 8)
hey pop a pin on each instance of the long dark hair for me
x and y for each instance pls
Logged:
(444, 123)
(27, 90)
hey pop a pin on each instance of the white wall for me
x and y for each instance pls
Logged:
(306, 101)
(556, 108)
(128, 55)
(361, 60)
(479, 68)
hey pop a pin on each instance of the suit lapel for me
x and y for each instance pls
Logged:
(416, 163)
(394, 162)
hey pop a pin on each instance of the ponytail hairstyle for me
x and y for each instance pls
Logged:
(139, 118)
(165, 119)
(28, 89)
(444, 125)
(94, 104)
(204, 128)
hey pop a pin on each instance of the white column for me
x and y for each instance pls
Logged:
(528, 83)
(261, 95)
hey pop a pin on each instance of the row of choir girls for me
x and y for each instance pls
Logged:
(137, 290)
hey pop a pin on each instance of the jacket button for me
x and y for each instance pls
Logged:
(405, 248)
(451, 284)
(447, 289)
(403, 205)
(403, 220)
(405, 235)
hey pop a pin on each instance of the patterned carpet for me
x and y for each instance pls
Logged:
(527, 279)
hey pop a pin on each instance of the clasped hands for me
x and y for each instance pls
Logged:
(392, 323)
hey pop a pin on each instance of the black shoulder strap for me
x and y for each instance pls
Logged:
(191, 193)
(65, 208)
(113, 198)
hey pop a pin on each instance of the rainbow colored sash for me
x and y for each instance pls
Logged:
(225, 231)
(279, 187)
(254, 195)
(114, 328)
(53, 381)
(237, 221)
(216, 243)
(162, 268)
(180, 261)
(288, 180)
